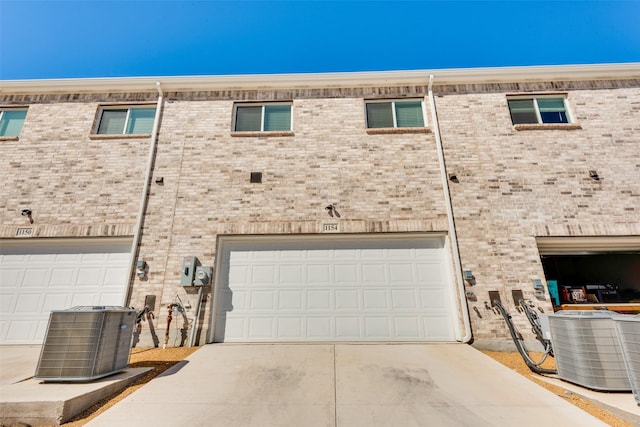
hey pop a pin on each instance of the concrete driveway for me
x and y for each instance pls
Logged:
(347, 385)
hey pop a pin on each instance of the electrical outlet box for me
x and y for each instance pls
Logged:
(493, 297)
(150, 301)
(188, 270)
(203, 276)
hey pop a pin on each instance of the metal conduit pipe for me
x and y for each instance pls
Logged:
(144, 197)
(462, 304)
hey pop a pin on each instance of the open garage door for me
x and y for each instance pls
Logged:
(38, 276)
(334, 289)
(592, 269)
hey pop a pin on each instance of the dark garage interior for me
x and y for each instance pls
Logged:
(593, 278)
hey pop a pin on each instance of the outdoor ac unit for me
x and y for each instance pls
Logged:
(628, 328)
(85, 343)
(587, 350)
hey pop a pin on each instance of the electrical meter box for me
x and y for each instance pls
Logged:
(189, 264)
(203, 275)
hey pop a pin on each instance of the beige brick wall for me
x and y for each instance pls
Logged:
(75, 186)
(380, 183)
(516, 185)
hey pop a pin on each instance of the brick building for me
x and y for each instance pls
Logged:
(383, 206)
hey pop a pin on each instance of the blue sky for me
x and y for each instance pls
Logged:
(91, 38)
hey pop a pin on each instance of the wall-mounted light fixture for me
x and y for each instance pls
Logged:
(27, 213)
(594, 175)
(332, 211)
(160, 180)
(454, 178)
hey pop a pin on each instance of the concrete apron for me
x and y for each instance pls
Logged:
(26, 401)
(342, 385)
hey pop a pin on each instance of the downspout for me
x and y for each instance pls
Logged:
(452, 227)
(144, 197)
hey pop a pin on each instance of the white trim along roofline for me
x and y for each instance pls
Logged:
(325, 80)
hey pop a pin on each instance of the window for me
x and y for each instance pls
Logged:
(130, 120)
(395, 114)
(11, 121)
(266, 117)
(538, 110)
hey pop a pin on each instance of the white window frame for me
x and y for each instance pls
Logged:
(537, 109)
(126, 122)
(393, 110)
(4, 109)
(262, 115)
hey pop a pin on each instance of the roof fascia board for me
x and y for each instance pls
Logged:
(325, 80)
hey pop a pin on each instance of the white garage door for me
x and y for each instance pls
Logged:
(39, 277)
(377, 289)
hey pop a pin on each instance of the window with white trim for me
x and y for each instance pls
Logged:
(262, 117)
(538, 110)
(11, 121)
(126, 120)
(395, 114)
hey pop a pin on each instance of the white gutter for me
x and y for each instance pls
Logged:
(325, 80)
(144, 197)
(452, 227)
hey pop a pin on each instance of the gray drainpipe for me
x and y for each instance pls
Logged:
(144, 197)
(452, 227)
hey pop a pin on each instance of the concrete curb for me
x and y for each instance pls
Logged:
(36, 403)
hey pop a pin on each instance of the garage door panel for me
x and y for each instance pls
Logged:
(374, 273)
(291, 274)
(377, 327)
(401, 273)
(261, 328)
(62, 277)
(83, 298)
(433, 299)
(20, 329)
(113, 275)
(56, 301)
(375, 299)
(263, 275)
(429, 272)
(346, 299)
(38, 277)
(319, 299)
(407, 327)
(41, 329)
(404, 299)
(290, 300)
(346, 273)
(437, 326)
(7, 301)
(110, 298)
(319, 254)
(262, 300)
(319, 274)
(290, 327)
(347, 328)
(239, 274)
(90, 276)
(371, 253)
(296, 290)
(320, 327)
(28, 303)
